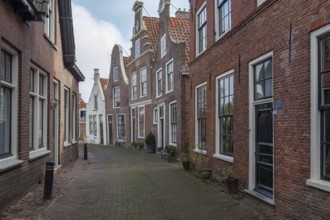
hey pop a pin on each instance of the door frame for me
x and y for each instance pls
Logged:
(56, 120)
(252, 130)
(159, 133)
(110, 129)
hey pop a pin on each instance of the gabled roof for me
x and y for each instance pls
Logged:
(180, 32)
(151, 24)
(82, 103)
(104, 83)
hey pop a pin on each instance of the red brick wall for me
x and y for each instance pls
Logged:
(254, 33)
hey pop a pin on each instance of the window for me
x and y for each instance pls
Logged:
(201, 30)
(116, 97)
(141, 122)
(134, 86)
(155, 116)
(159, 83)
(66, 115)
(49, 25)
(8, 103)
(201, 118)
(137, 48)
(173, 123)
(95, 102)
(169, 76)
(163, 45)
(92, 125)
(224, 13)
(74, 116)
(320, 109)
(225, 85)
(263, 79)
(115, 73)
(121, 127)
(143, 75)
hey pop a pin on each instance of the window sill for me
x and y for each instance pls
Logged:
(260, 196)
(320, 184)
(224, 157)
(9, 163)
(74, 142)
(36, 154)
(167, 92)
(200, 151)
(67, 144)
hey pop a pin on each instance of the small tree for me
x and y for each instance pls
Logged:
(150, 139)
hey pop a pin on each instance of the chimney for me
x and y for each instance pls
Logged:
(96, 75)
(182, 14)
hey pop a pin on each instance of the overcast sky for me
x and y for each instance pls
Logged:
(99, 25)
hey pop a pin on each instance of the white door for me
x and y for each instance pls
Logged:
(55, 123)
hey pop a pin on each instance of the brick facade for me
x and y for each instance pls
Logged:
(33, 49)
(281, 30)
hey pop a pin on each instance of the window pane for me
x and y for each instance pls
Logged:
(5, 121)
(259, 90)
(259, 73)
(268, 69)
(8, 73)
(269, 87)
(325, 53)
(41, 85)
(31, 143)
(41, 124)
(326, 159)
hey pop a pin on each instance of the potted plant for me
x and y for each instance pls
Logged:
(202, 164)
(184, 157)
(150, 142)
(170, 151)
(231, 182)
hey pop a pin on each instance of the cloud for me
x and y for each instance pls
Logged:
(94, 39)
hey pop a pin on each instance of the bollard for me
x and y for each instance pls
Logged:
(49, 176)
(85, 151)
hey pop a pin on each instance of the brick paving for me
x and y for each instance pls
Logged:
(118, 183)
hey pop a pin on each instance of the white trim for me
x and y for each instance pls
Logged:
(196, 149)
(144, 121)
(9, 162)
(123, 139)
(217, 154)
(131, 116)
(74, 117)
(113, 98)
(145, 69)
(155, 115)
(315, 169)
(132, 97)
(161, 76)
(170, 124)
(199, 151)
(56, 111)
(14, 108)
(66, 123)
(252, 103)
(197, 33)
(166, 76)
(38, 153)
(146, 102)
(159, 125)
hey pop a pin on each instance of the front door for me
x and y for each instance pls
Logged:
(55, 123)
(133, 125)
(110, 130)
(101, 129)
(264, 149)
(161, 128)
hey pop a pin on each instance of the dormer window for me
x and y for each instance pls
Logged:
(163, 45)
(49, 25)
(137, 48)
(115, 73)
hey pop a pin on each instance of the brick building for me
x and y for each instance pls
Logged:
(144, 43)
(95, 111)
(39, 93)
(117, 100)
(259, 98)
(170, 79)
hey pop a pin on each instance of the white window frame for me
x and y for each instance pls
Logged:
(117, 117)
(74, 118)
(315, 169)
(155, 115)
(217, 154)
(36, 150)
(167, 76)
(163, 46)
(11, 161)
(144, 121)
(217, 21)
(196, 149)
(134, 86)
(198, 51)
(137, 48)
(113, 100)
(159, 94)
(170, 122)
(49, 25)
(143, 71)
(66, 116)
(115, 73)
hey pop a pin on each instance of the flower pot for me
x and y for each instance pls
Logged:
(186, 165)
(232, 185)
(151, 148)
(205, 174)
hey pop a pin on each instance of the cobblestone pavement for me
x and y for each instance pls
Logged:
(118, 183)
